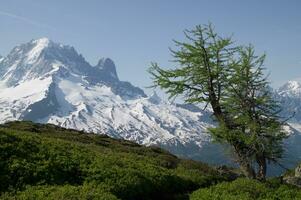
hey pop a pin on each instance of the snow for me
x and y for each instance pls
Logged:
(15, 100)
(96, 108)
(35, 88)
(40, 44)
(10, 70)
(296, 126)
(294, 85)
(115, 114)
(291, 88)
(288, 129)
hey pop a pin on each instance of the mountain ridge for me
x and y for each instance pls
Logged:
(59, 86)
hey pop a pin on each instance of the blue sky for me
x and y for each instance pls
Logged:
(136, 32)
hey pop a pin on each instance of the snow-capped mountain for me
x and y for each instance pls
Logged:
(47, 82)
(290, 89)
(290, 96)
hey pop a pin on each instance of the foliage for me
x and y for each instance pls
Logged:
(63, 192)
(47, 162)
(247, 189)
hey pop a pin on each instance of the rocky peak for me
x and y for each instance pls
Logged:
(294, 177)
(39, 58)
(43, 58)
(42, 42)
(107, 66)
(291, 88)
(38, 46)
(154, 98)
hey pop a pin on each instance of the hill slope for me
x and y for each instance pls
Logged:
(46, 161)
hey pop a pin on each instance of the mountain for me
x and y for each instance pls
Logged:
(47, 82)
(290, 96)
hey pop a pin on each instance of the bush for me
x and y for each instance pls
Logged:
(33, 160)
(39, 161)
(247, 189)
(64, 192)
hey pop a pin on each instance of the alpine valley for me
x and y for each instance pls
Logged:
(47, 82)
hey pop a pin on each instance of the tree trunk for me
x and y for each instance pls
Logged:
(244, 164)
(249, 172)
(246, 167)
(262, 167)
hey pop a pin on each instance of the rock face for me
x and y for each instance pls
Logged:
(298, 172)
(47, 82)
(294, 178)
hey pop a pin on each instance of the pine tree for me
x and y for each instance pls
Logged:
(230, 79)
(253, 109)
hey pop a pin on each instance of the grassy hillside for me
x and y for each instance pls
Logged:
(48, 162)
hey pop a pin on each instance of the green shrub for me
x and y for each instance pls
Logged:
(247, 189)
(64, 192)
(39, 161)
(33, 160)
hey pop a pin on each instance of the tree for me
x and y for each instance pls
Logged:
(251, 106)
(263, 111)
(229, 78)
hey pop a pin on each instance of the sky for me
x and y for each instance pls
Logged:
(135, 33)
